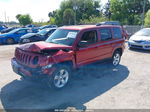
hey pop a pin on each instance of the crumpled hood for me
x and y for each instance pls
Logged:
(39, 46)
(137, 37)
(28, 35)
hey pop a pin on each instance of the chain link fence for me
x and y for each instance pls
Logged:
(131, 29)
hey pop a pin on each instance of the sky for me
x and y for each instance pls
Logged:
(38, 9)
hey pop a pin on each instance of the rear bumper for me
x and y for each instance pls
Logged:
(37, 73)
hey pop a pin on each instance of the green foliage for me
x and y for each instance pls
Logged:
(40, 23)
(52, 20)
(68, 17)
(147, 18)
(24, 19)
(17, 16)
(128, 11)
(83, 9)
(93, 20)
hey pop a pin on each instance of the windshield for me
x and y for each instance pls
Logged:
(13, 31)
(143, 32)
(42, 27)
(43, 32)
(63, 36)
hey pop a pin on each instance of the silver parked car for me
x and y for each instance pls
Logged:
(140, 39)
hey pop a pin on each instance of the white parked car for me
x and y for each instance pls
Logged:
(140, 39)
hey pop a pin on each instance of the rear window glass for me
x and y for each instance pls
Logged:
(117, 33)
(105, 34)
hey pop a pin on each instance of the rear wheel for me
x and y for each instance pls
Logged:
(10, 41)
(60, 77)
(116, 58)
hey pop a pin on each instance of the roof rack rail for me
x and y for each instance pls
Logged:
(99, 24)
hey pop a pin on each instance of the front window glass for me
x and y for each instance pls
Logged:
(63, 36)
(143, 32)
(89, 37)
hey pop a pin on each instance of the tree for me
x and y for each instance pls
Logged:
(17, 16)
(147, 18)
(24, 19)
(128, 11)
(106, 10)
(68, 17)
(83, 9)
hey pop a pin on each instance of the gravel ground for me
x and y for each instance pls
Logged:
(96, 86)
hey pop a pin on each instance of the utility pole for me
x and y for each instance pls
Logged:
(8, 20)
(109, 13)
(5, 17)
(75, 8)
(143, 14)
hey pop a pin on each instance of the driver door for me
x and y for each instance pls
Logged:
(87, 48)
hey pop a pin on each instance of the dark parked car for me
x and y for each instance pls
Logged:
(2, 27)
(34, 28)
(109, 23)
(40, 36)
(8, 29)
(47, 26)
(30, 25)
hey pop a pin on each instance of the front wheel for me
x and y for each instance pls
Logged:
(116, 58)
(10, 41)
(60, 77)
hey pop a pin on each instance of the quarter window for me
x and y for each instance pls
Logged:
(105, 34)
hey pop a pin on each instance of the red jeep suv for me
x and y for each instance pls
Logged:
(69, 47)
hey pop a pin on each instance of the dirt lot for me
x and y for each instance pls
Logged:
(96, 86)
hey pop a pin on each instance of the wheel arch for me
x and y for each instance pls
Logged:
(67, 63)
(10, 38)
(118, 49)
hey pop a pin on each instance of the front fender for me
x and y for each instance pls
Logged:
(63, 56)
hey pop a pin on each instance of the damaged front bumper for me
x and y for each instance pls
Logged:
(38, 73)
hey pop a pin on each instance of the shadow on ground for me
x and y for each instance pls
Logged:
(90, 81)
(8, 44)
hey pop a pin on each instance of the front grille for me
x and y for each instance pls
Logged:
(24, 57)
(136, 46)
(138, 41)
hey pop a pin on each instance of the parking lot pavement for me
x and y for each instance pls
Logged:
(96, 86)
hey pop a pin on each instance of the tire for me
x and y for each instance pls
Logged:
(116, 58)
(60, 78)
(10, 41)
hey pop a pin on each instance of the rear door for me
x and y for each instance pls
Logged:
(118, 36)
(105, 44)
